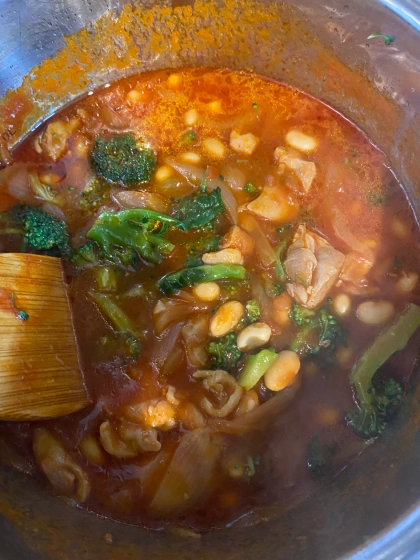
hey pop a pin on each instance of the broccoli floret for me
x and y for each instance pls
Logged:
(378, 399)
(43, 234)
(370, 418)
(119, 160)
(85, 255)
(319, 331)
(95, 195)
(120, 235)
(253, 310)
(224, 351)
(194, 275)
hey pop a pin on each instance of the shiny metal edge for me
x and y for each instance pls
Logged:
(408, 10)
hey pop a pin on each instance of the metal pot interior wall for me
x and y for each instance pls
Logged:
(319, 47)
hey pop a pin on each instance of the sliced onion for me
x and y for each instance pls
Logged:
(234, 177)
(53, 210)
(165, 344)
(189, 477)
(262, 245)
(111, 118)
(258, 418)
(141, 199)
(15, 178)
(194, 174)
(174, 187)
(176, 309)
(228, 198)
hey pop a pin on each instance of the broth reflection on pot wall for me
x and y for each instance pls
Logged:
(220, 151)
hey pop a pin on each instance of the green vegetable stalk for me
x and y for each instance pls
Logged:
(255, 367)
(378, 399)
(194, 275)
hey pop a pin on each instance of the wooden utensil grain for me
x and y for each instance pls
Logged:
(40, 375)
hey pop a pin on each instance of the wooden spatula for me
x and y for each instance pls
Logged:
(40, 375)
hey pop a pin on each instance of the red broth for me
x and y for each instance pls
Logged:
(160, 443)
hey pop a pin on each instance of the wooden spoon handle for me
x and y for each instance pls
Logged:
(40, 374)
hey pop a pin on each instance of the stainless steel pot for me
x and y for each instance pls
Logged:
(371, 511)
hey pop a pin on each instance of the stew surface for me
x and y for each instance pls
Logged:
(241, 263)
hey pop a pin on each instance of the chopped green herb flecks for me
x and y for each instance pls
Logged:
(388, 39)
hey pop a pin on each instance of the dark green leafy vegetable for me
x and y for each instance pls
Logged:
(224, 351)
(387, 38)
(197, 248)
(119, 234)
(43, 234)
(205, 273)
(320, 331)
(119, 160)
(378, 399)
(199, 209)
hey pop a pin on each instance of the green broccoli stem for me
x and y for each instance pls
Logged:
(197, 274)
(107, 279)
(278, 266)
(255, 367)
(142, 215)
(391, 340)
(114, 314)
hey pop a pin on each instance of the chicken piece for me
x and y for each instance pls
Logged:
(156, 413)
(195, 334)
(243, 143)
(223, 388)
(275, 203)
(313, 266)
(127, 440)
(304, 170)
(54, 140)
(65, 475)
(237, 238)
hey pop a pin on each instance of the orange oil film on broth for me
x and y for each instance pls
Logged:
(154, 447)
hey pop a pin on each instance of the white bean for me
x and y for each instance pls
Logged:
(215, 106)
(301, 141)
(207, 291)
(342, 304)
(253, 336)
(400, 229)
(191, 117)
(174, 81)
(224, 256)
(214, 147)
(190, 157)
(226, 318)
(283, 371)
(375, 313)
(407, 281)
(163, 173)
